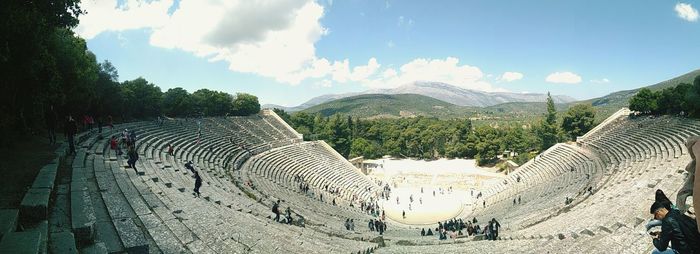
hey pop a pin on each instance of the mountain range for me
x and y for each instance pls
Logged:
(440, 91)
(447, 101)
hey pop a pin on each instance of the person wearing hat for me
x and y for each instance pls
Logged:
(676, 228)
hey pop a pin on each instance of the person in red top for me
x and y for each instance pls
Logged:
(114, 145)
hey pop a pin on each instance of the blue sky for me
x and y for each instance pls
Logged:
(289, 51)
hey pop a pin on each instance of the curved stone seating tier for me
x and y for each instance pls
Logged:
(116, 209)
(317, 165)
(273, 173)
(621, 240)
(155, 210)
(627, 161)
(545, 190)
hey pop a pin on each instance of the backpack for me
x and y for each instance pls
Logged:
(689, 228)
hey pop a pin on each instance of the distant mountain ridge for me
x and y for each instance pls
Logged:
(390, 106)
(525, 104)
(441, 91)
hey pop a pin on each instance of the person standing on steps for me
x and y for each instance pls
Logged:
(494, 227)
(70, 130)
(133, 157)
(288, 216)
(276, 210)
(189, 166)
(197, 184)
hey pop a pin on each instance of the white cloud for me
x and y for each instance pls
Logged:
(600, 81)
(511, 76)
(250, 35)
(438, 70)
(564, 77)
(274, 39)
(108, 15)
(686, 12)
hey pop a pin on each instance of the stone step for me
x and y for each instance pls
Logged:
(43, 229)
(62, 242)
(8, 221)
(21, 242)
(105, 231)
(82, 216)
(46, 178)
(131, 236)
(95, 248)
(34, 206)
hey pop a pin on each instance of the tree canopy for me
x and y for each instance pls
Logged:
(419, 137)
(548, 131)
(45, 66)
(682, 98)
(578, 120)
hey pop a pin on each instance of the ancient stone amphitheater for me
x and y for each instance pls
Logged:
(247, 163)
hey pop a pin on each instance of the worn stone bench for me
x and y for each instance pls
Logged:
(62, 242)
(34, 206)
(21, 242)
(8, 221)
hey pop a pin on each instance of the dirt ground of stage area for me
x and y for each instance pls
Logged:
(406, 177)
(458, 174)
(426, 209)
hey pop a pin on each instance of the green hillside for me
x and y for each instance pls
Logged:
(610, 103)
(391, 106)
(410, 105)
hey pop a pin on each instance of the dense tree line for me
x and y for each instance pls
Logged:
(44, 65)
(432, 138)
(683, 98)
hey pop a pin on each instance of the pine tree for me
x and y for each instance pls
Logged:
(549, 130)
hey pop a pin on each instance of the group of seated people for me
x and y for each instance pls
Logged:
(287, 218)
(453, 228)
(377, 225)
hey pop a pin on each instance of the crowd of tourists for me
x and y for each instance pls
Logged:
(457, 227)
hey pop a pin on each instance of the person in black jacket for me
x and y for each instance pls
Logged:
(133, 157)
(197, 184)
(70, 130)
(276, 210)
(494, 226)
(676, 228)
